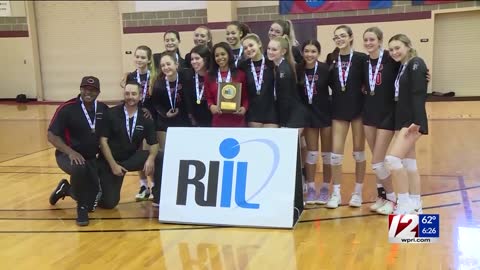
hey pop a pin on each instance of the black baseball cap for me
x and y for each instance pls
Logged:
(90, 81)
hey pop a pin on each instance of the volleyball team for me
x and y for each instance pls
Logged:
(380, 95)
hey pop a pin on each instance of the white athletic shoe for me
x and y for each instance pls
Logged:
(356, 200)
(378, 203)
(387, 208)
(418, 207)
(334, 201)
(404, 209)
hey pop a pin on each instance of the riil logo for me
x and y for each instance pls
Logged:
(402, 226)
(206, 194)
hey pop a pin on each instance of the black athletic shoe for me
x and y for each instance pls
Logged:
(82, 216)
(60, 191)
(143, 194)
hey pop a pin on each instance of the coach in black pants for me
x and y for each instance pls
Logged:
(124, 129)
(74, 133)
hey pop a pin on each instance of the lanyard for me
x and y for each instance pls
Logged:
(372, 80)
(127, 123)
(220, 79)
(239, 55)
(90, 123)
(258, 79)
(343, 79)
(199, 93)
(397, 80)
(310, 86)
(174, 100)
(145, 87)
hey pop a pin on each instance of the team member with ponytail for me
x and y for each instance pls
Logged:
(195, 97)
(379, 114)
(313, 78)
(168, 97)
(172, 40)
(262, 111)
(234, 33)
(347, 104)
(144, 74)
(410, 122)
(291, 111)
(201, 36)
(281, 28)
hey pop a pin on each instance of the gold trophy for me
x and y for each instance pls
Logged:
(229, 96)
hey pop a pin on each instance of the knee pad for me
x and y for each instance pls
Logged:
(336, 160)
(327, 158)
(393, 163)
(380, 170)
(312, 157)
(359, 156)
(410, 164)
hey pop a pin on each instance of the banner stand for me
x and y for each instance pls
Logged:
(241, 177)
(298, 199)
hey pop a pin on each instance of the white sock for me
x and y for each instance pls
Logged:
(358, 188)
(415, 199)
(379, 185)
(144, 182)
(325, 185)
(403, 198)
(391, 197)
(311, 184)
(336, 189)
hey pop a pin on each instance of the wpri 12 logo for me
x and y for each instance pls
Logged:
(413, 229)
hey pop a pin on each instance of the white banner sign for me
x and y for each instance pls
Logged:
(5, 8)
(230, 176)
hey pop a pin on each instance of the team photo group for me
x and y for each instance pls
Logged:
(381, 95)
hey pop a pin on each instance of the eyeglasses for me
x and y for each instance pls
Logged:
(342, 36)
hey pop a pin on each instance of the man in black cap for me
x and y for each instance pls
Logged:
(122, 135)
(74, 132)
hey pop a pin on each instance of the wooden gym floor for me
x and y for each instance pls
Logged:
(35, 235)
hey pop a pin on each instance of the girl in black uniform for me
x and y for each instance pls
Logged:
(201, 36)
(144, 75)
(172, 40)
(291, 110)
(234, 33)
(379, 114)
(195, 97)
(168, 97)
(410, 122)
(262, 111)
(281, 28)
(347, 103)
(313, 79)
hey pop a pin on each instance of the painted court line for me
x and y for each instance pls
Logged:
(198, 228)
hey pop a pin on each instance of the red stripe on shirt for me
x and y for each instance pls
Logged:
(72, 101)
